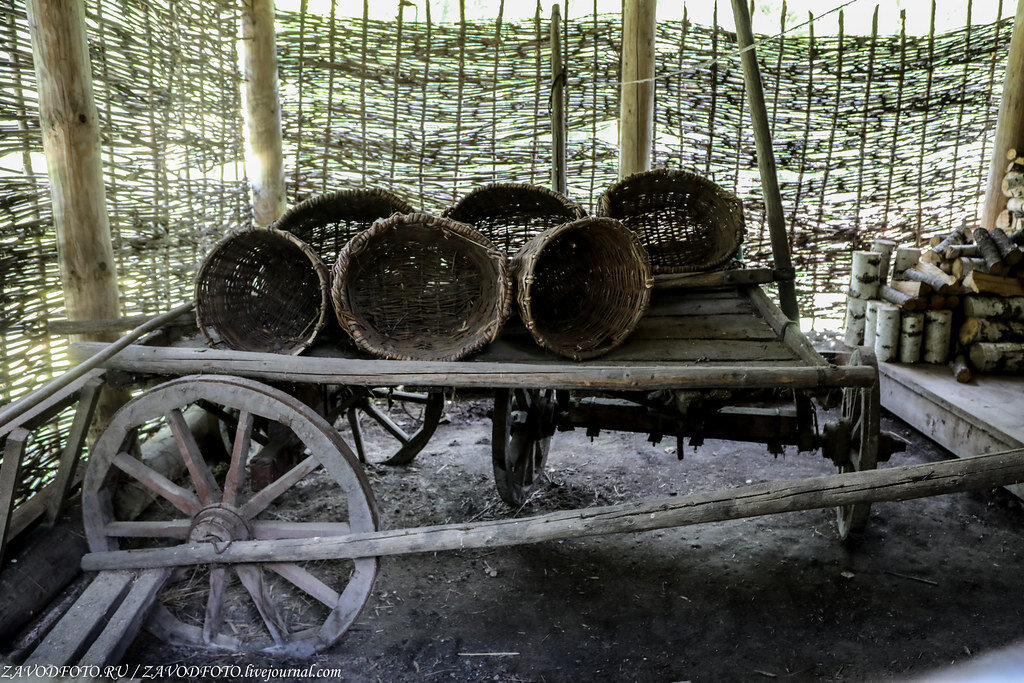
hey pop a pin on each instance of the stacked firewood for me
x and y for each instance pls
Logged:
(905, 316)
(972, 276)
(1011, 218)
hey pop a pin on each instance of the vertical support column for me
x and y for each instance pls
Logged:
(71, 142)
(1009, 126)
(636, 99)
(261, 108)
(558, 177)
(766, 158)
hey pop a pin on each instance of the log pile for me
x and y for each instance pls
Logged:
(1011, 218)
(905, 315)
(970, 281)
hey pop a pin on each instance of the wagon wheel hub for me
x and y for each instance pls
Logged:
(220, 525)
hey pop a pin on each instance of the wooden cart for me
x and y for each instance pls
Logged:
(713, 358)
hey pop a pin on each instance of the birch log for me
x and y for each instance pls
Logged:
(961, 369)
(911, 336)
(1009, 308)
(887, 333)
(864, 274)
(1010, 252)
(856, 308)
(938, 326)
(965, 265)
(885, 248)
(974, 330)
(905, 257)
(998, 357)
(989, 251)
(870, 318)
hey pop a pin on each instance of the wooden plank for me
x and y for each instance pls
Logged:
(597, 375)
(72, 451)
(729, 304)
(980, 417)
(737, 326)
(124, 624)
(83, 623)
(10, 473)
(893, 483)
(701, 350)
(720, 278)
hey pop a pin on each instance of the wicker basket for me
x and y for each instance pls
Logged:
(687, 223)
(261, 289)
(510, 214)
(582, 286)
(419, 287)
(327, 222)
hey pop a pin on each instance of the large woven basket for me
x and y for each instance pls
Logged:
(420, 287)
(582, 287)
(687, 223)
(261, 289)
(510, 214)
(328, 221)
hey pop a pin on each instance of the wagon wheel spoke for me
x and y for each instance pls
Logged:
(306, 582)
(175, 528)
(179, 497)
(386, 422)
(252, 578)
(259, 502)
(235, 479)
(357, 433)
(214, 617)
(272, 530)
(206, 486)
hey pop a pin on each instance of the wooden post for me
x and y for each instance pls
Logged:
(261, 109)
(558, 176)
(1010, 124)
(766, 157)
(636, 99)
(71, 143)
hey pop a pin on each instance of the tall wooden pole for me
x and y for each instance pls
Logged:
(1010, 124)
(766, 159)
(636, 99)
(71, 143)
(558, 175)
(264, 158)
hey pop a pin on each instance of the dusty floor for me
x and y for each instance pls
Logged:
(935, 581)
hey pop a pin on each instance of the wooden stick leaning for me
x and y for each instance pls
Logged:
(890, 484)
(23, 405)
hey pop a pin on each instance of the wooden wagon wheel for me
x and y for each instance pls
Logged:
(285, 607)
(861, 408)
(400, 422)
(522, 425)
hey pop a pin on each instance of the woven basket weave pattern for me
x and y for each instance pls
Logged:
(327, 222)
(687, 223)
(510, 214)
(262, 290)
(582, 286)
(419, 287)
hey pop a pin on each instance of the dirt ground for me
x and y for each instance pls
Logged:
(935, 581)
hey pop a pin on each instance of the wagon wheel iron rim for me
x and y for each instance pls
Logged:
(401, 422)
(522, 425)
(861, 411)
(283, 607)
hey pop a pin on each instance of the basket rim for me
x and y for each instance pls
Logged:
(322, 272)
(525, 260)
(569, 204)
(316, 201)
(486, 334)
(738, 227)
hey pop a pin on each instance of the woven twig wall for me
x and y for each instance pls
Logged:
(875, 135)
